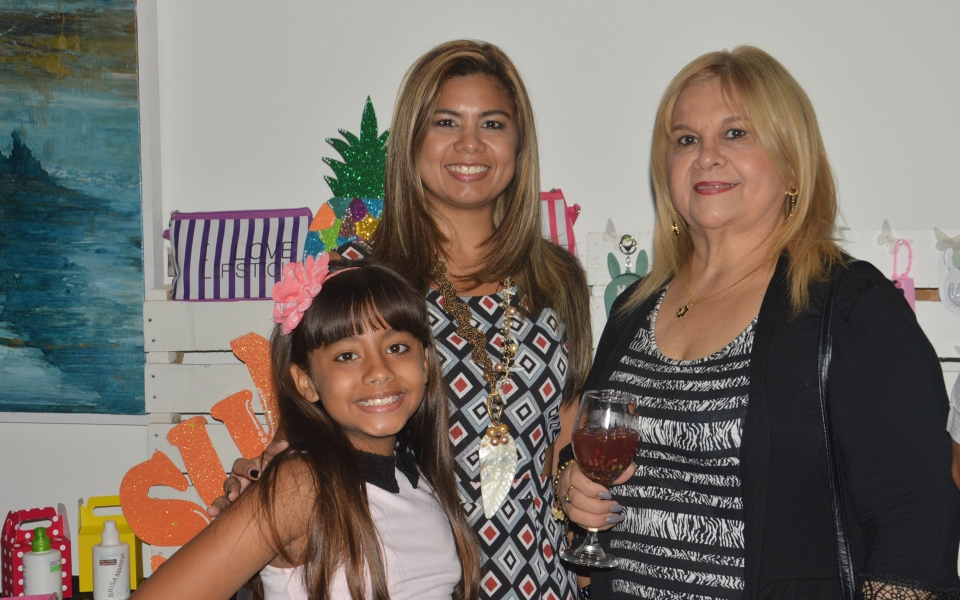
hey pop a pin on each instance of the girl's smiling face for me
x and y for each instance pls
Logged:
(370, 384)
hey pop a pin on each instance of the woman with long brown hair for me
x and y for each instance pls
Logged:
(462, 222)
(509, 310)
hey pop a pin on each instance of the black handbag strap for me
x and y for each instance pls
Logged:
(844, 559)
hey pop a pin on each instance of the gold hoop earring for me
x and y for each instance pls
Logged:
(792, 194)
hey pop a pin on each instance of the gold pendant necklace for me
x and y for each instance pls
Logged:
(686, 307)
(498, 450)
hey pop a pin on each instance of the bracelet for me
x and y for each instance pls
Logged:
(556, 478)
(565, 454)
(557, 509)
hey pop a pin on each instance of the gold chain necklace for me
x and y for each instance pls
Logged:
(686, 307)
(498, 451)
(494, 374)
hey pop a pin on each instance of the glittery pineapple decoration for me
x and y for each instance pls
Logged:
(354, 211)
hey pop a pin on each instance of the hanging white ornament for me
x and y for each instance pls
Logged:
(949, 275)
(498, 466)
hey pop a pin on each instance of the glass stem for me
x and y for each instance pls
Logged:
(591, 536)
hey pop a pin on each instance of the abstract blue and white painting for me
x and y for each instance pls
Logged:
(71, 278)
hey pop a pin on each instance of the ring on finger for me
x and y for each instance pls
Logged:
(566, 495)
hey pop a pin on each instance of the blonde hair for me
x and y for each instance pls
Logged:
(408, 238)
(786, 124)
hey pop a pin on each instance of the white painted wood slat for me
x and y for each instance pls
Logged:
(173, 326)
(177, 388)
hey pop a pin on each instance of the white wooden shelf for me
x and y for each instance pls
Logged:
(173, 326)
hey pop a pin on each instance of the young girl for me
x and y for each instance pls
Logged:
(363, 503)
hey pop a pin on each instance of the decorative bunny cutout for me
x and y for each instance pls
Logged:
(620, 281)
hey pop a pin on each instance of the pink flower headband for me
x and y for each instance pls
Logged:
(299, 284)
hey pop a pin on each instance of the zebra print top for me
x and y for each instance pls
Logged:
(682, 535)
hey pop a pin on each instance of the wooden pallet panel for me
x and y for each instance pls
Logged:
(179, 388)
(172, 326)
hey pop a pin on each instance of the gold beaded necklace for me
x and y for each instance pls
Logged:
(498, 451)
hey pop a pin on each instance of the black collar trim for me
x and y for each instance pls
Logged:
(381, 470)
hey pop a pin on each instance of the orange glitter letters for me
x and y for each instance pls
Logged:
(159, 522)
(237, 414)
(254, 350)
(175, 522)
(200, 457)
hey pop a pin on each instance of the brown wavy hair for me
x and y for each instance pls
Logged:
(408, 237)
(786, 125)
(341, 531)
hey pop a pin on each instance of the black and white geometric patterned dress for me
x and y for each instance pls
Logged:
(521, 542)
(682, 535)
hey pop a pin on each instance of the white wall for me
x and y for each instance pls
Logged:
(64, 458)
(249, 90)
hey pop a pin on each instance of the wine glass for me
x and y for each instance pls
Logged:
(605, 440)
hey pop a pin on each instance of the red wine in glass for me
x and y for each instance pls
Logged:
(605, 440)
(603, 454)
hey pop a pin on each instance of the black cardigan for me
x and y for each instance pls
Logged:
(889, 409)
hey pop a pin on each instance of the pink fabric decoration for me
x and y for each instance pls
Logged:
(294, 293)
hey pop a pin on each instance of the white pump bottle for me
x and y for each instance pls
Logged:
(111, 566)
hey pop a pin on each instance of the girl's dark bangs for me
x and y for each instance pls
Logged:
(361, 300)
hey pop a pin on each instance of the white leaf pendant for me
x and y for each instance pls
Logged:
(498, 465)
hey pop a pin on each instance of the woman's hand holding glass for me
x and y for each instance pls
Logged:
(605, 441)
(590, 504)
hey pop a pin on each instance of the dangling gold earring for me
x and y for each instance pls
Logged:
(675, 228)
(792, 194)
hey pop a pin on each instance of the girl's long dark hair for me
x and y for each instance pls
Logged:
(341, 533)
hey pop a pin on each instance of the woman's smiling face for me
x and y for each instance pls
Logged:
(721, 177)
(370, 384)
(469, 154)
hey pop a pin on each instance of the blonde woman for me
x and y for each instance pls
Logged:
(731, 496)
(509, 310)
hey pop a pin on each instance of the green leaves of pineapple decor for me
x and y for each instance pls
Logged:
(361, 173)
(357, 185)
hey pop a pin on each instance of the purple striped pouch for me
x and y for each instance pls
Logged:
(234, 255)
